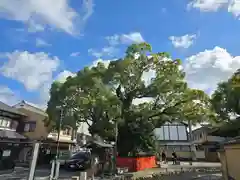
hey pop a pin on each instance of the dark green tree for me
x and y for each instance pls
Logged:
(226, 98)
(105, 95)
(226, 102)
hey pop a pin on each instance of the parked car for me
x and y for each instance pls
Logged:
(79, 161)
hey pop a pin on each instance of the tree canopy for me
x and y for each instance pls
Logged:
(226, 102)
(226, 98)
(123, 92)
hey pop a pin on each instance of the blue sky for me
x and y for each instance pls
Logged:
(42, 41)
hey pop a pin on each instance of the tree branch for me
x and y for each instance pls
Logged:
(168, 108)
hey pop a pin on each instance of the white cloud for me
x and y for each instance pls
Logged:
(138, 101)
(205, 69)
(234, 8)
(38, 14)
(183, 41)
(7, 96)
(75, 54)
(108, 51)
(208, 5)
(113, 40)
(41, 43)
(134, 37)
(32, 69)
(62, 76)
(105, 62)
(34, 27)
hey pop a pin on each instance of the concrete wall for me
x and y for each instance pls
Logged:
(232, 153)
(40, 132)
(223, 161)
(200, 154)
(62, 136)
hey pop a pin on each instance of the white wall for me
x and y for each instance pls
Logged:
(215, 138)
(83, 128)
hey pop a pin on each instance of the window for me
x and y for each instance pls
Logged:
(182, 133)
(159, 133)
(173, 132)
(66, 131)
(26, 127)
(30, 127)
(5, 122)
(14, 125)
(166, 133)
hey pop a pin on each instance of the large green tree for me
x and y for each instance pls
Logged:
(226, 98)
(226, 102)
(105, 95)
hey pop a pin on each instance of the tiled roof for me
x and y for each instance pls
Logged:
(30, 107)
(235, 140)
(7, 108)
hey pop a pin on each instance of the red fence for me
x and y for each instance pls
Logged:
(136, 164)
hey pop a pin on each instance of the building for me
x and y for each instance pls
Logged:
(229, 158)
(35, 129)
(83, 135)
(34, 123)
(11, 125)
(173, 137)
(206, 144)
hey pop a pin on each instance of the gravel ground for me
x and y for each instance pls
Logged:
(201, 174)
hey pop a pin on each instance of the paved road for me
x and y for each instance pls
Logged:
(22, 173)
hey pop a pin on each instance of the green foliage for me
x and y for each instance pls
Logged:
(226, 98)
(105, 95)
(226, 102)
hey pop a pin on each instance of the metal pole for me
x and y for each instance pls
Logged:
(52, 170)
(33, 162)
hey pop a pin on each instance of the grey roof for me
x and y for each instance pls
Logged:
(7, 108)
(235, 140)
(10, 135)
(99, 144)
(29, 107)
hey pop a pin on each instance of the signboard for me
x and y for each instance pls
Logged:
(6, 153)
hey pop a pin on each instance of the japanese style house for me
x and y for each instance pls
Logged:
(11, 141)
(173, 137)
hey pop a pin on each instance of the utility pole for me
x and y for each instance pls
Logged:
(56, 163)
(59, 129)
(192, 147)
(115, 147)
